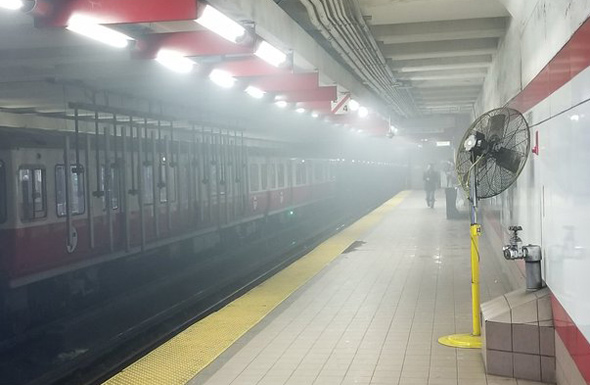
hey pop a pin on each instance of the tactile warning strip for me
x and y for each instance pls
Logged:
(182, 357)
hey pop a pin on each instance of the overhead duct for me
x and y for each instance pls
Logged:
(341, 23)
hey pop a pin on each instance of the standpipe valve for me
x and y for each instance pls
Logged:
(531, 255)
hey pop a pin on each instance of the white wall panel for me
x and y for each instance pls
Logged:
(551, 199)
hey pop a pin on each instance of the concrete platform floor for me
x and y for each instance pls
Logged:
(374, 315)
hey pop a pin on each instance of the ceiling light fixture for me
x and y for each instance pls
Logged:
(222, 25)
(315, 115)
(222, 78)
(353, 105)
(13, 5)
(92, 29)
(255, 92)
(281, 104)
(175, 61)
(363, 112)
(300, 110)
(270, 54)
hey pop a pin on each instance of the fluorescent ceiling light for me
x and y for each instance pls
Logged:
(222, 25)
(315, 115)
(175, 61)
(270, 54)
(443, 144)
(363, 112)
(91, 28)
(281, 104)
(256, 93)
(353, 105)
(222, 78)
(575, 118)
(11, 4)
(300, 110)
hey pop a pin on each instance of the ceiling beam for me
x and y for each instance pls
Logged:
(447, 83)
(431, 98)
(440, 49)
(458, 89)
(444, 74)
(443, 63)
(440, 30)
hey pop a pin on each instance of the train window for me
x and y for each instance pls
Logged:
(114, 187)
(167, 177)
(78, 198)
(281, 175)
(301, 173)
(319, 172)
(173, 182)
(3, 192)
(147, 188)
(272, 173)
(264, 176)
(254, 177)
(33, 193)
(332, 171)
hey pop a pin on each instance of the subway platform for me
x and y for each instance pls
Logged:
(366, 307)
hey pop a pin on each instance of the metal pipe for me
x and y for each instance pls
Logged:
(89, 217)
(334, 23)
(140, 193)
(245, 175)
(77, 130)
(191, 178)
(156, 207)
(107, 186)
(133, 188)
(168, 180)
(226, 183)
(199, 161)
(217, 154)
(68, 182)
(99, 192)
(123, 186)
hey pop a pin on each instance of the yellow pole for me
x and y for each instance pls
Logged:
(473, 340)
(475, 232)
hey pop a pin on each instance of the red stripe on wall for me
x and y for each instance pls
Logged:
(572, 337)
(572, 59)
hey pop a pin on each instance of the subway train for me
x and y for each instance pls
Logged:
(72, 203)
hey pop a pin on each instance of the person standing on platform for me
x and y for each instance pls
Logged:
(430, 178)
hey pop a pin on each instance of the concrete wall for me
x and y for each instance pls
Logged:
(551, 198)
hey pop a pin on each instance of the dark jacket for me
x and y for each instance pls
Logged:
(430, 179)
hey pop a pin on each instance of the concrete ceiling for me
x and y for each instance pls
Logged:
(441, 49)
(438, 50)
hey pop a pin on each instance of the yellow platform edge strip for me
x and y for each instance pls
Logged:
(181, 358)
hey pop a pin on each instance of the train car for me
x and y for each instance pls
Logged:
(71, 203)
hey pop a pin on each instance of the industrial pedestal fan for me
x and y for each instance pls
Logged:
(489, 158)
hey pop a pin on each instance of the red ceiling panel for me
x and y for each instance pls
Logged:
(195, 43)
(119, 11)
(292, 82)
(250, 67)
(318, 94)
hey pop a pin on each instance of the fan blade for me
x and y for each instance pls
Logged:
(508, 159)
(496, 128)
